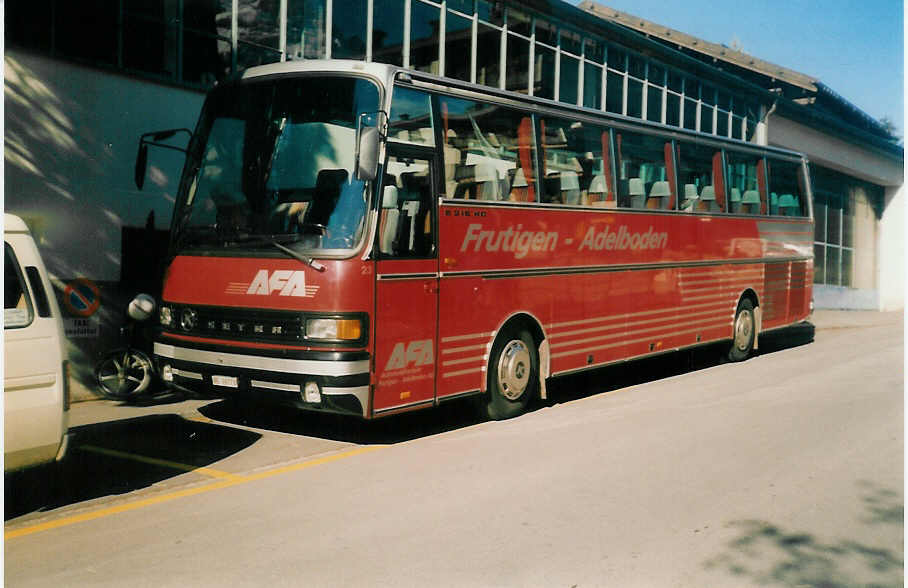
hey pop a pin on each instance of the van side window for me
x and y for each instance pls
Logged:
(34, 278)
(17, 306)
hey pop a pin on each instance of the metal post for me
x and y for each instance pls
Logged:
(370, 11)
(282, 26)
(234, 34)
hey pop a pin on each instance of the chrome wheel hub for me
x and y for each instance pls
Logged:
(514, 369)
(744, 327)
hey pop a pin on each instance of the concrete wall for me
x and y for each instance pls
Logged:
(70, 145)
(887, 293)
(892, 250)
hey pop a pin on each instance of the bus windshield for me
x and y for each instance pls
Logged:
(273, 161)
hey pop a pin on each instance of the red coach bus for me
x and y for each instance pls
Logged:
(353, 237)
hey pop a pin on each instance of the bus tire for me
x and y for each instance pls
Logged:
(744, 331)
(513, 376)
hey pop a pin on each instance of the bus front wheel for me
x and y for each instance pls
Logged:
(513, 376)
(744, 332)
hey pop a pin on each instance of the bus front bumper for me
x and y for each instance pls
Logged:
(326, 381)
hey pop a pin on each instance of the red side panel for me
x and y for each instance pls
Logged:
(604, 285)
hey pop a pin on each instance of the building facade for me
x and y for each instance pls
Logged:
(85, 79)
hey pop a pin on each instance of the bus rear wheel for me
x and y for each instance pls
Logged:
(744, 332)
(513, 376)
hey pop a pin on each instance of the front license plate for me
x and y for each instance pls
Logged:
(226, 381)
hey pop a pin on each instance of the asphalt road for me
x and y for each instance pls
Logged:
(785, 470)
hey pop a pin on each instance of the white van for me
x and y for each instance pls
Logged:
(35, 369)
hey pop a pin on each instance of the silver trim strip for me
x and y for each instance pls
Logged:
(454, 338)
(277, 386)
(472, 370)
(417, 276)
(312, 367)
(408, 405)
(186, 374)
(448, 350)
(703, 327)
(617, 317)
(581, 269)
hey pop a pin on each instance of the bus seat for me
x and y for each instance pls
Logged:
(789, 206)
(551, 185)
(750, 202)
(520, 190)
(690, 197)
(707, 202)
(464, 176)
(773, 203)
(735, 200)
(598, 191)
(659, 195)
(636, 191)
(452, 160)
(327, 192)
(390, 216)
(417, 136)
(570, 187)
(487, 179)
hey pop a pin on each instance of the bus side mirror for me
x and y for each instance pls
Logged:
(367, 154)
(141, 165)
(155, 139)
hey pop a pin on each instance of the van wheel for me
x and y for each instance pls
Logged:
(744, 333)
(513, 376)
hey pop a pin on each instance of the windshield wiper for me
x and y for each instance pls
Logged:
(275, 241)
(311, 262)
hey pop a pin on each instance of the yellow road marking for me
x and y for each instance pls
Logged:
(160, 462)
(223, 483)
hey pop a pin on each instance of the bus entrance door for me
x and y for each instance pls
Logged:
(406, 313)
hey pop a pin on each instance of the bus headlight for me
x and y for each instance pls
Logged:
(334, 329)
(165, 316)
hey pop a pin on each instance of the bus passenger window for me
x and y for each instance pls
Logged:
(488, 152)
(645, 172)
(700, 172)
(786, 185)
(411, 117)
(742, 172)
(577, 163)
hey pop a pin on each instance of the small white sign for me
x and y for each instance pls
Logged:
(226, 381)
(81, 328)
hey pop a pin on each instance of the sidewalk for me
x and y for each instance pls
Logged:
(850, 319)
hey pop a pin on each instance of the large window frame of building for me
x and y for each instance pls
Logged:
(483, 42)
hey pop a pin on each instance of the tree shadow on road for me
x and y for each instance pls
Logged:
(772, 555)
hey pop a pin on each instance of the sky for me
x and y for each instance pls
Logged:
(854, 47)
